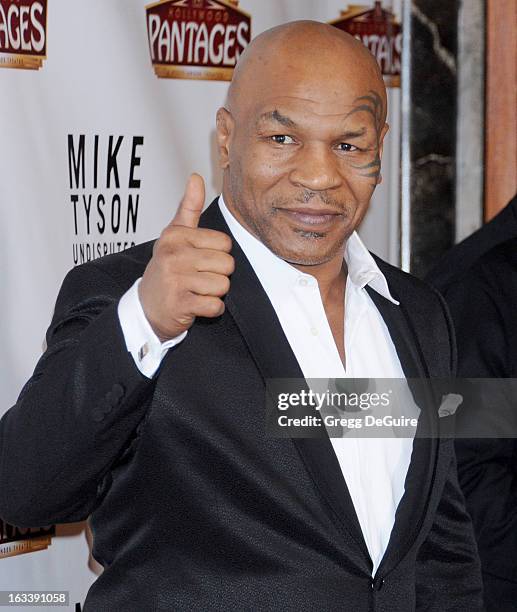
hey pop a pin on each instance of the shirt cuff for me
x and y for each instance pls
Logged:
(144, 345)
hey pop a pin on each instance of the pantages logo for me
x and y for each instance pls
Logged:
(378, 30)
(16, 541)
(197, 39)
(23, 39)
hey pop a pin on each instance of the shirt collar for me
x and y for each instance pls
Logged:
(276, 274)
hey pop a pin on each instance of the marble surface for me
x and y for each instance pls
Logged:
(433, 130)
(470, 126)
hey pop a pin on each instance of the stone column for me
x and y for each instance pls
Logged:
(442, 118)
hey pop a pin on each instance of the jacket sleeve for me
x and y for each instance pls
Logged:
(448, 572)
(77, 413)
(488, 467)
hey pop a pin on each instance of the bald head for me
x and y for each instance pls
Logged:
(300, 140)
(308, 52)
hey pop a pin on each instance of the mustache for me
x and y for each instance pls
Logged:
(339, 206)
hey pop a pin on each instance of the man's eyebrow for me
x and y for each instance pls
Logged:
(278, 117)
(354, 133)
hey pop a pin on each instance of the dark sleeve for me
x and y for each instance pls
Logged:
(78, 411)
(448, 573)
(487, 468)
(479, 320)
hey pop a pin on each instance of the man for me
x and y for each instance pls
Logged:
(483, 302)
(455, 263)
(147, 410)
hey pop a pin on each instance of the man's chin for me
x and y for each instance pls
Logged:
(306, 250)
(303, 258)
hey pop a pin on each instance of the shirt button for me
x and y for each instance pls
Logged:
(303, 282)
(144, 349)
(314, 331)
(377, 584)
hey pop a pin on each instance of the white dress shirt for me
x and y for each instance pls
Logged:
(374, 469)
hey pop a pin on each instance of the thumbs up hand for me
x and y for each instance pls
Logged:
(189, 271)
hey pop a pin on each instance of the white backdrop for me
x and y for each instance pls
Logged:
(97, 80)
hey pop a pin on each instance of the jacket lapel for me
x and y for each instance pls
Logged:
(418, 484)
(258, 323)
(402, 334)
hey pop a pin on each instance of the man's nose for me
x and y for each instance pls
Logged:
(316, 168)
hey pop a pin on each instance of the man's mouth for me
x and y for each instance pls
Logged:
(316, 218)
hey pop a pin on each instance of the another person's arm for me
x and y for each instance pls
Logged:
(481, 307)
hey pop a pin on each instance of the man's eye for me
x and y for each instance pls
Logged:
(282, 139)
(345, 146)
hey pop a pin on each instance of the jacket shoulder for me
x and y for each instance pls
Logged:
(104, 279)
(491, 278)
(461, 257)
(500, 260)
(123, 268)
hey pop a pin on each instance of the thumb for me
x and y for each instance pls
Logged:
(192, 202)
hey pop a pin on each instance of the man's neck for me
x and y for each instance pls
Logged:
(331, 277)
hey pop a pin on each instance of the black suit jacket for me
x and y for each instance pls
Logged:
(453, 265)
(483, 303)
(191, 504)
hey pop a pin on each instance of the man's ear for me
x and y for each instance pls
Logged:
(384, 130)
(224, 127)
